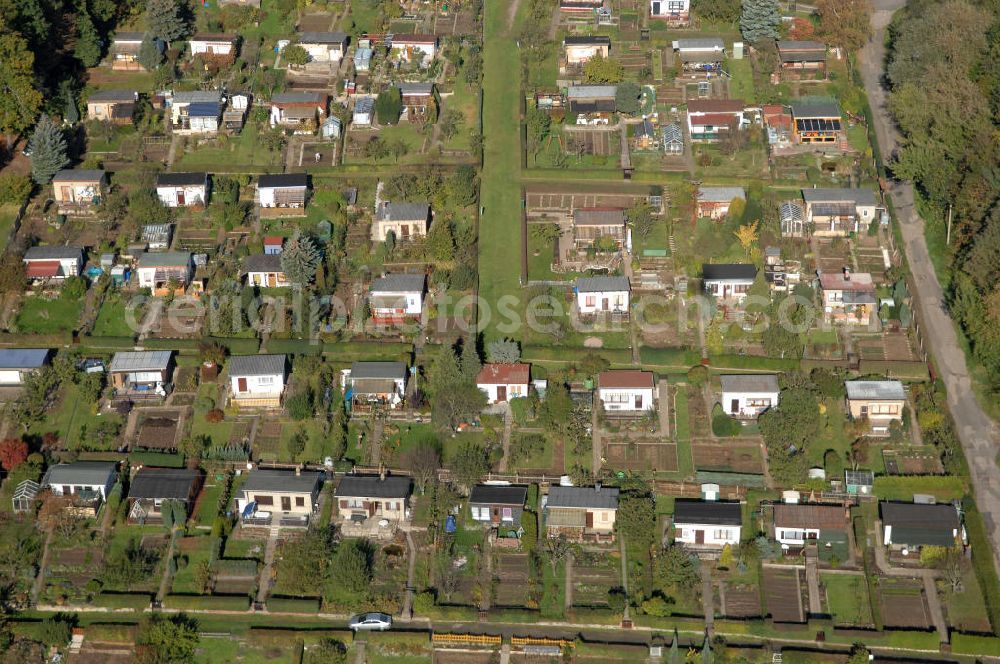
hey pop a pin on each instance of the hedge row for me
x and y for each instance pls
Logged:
(973, 644)
(108, 343)
(158, 459)
(912, 371)
(136, 601)
(350, 351)
(902, 487)
(235, 345)
(982, 562)
(111, 632)
(208, 602)
(572, 355)
(265, 637)
(293, 604)
(669, 357)
(753, 362)
(50, 340)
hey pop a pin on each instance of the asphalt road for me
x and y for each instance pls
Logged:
(978, 434)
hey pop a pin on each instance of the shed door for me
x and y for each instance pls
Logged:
(286, 503)
(638, 401)
(590, 519)
(735, 406)
(699, 537)
(241, 384)
(180, 197)
(501, 393)
(656, 9)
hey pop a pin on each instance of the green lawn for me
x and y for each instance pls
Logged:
(208, 507)
(832, 435)
(463, 99)
(741, 84)
(847, 599)
(966, 610)
(112, 320)
(39, 315)
(194, 552)
(681, 415)
(232, 154)
(499, 232)
(8, 213)
(72, 419)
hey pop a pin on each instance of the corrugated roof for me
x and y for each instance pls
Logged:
(587, 40)
(256, 365)
(163, 483)
(699, 44)
(197, 97)
(625, 378)
(603, 498)
(920, 525)
(403, 212)
(716, 106)
(815, 109)
(263, 263)
(592, 92)
(763, 383)
(875, 389)
(490, 494)
(112, 96)
(213, 36)
(414, 38)
(721, 194)
(390, 370)
(23, 358)
(364, 105)
(79, 175)
(165, 259)
(839, 195)
(283, 181)
(94, 473)
(599, 217)
(317, 98)
(129, 36)
(282, 481)
(800, 45)
(707, 512)
(373, 486)
(142, 360)
(208, 109)
(859, 281)
(504, 374)
(310, 37)
(824, 517)
(416, 88)
(728, 271)
(602, 284)
(181, 179)
(399, 283)
(52, 252)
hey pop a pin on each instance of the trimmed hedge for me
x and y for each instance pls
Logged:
(348, 351)
(135, 601)
(293, 604)
(911, 371)
(902, 487)
(982, 562)
(571, 355)
(235, 345)
(160, 459)
(109, 343)
(669, 357)
(21, 340)
(293, 346)
(111, 632)
(208, 602)
(974, 644)
(753, 362)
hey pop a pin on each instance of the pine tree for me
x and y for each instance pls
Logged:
(48, 150)
(72, 111)
(440, 242)
(759, 20)
(88, 42)
(150, 52)
(165, 20)
(470, 361)
(299, 260)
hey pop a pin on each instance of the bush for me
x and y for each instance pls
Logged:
(697, 375)
(14, 188)
(137, 601)
(207, 602)
(300, 405)
(723, 425)
(214, 416)
(293, 604)
(111, 633)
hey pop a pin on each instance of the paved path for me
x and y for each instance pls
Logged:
(359, 653)
(410, 573)
(707, 597)
(812, 581)
(264, 585)
(39, 584)
(568, 595)
(375, 444)
(934, 603)
(664, 407)
(976, 431)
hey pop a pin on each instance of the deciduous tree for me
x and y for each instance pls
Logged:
(295, 55)
(167, 640)
(603, 70)
(13, 452)
(845, 23)
(20, 96)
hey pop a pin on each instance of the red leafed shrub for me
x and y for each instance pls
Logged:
(13, 452)
(214, 416)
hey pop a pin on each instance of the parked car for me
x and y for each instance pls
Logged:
(370, 622)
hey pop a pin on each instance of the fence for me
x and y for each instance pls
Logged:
(477, 639)
(521, 641)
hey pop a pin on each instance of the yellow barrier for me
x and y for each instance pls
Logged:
(480, 639)
(530, 641)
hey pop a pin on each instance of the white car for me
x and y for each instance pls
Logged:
(370, 622)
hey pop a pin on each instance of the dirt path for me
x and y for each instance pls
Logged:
(410, 573)
(568, 595)
(166, 578)
(264, 584)
(512, 14)
(508, 426)
(977, 432)
(39, 583)
(812, 581)
(664, 408)
(707, 598)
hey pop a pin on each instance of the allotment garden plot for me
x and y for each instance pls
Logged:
(513, 571)
(641, 454)
(783, 594)
(903, 604)
(594, 575)
(730, 456)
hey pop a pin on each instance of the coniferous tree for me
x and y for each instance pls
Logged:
(88, 42)
(48, 150)
(759, 20)
(72, 111)
(299, 260)
(165, 20)
(150, 52)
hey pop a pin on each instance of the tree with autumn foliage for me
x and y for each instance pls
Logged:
(801, 29)
(845, 23)
(13, 452)
(55, 515)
